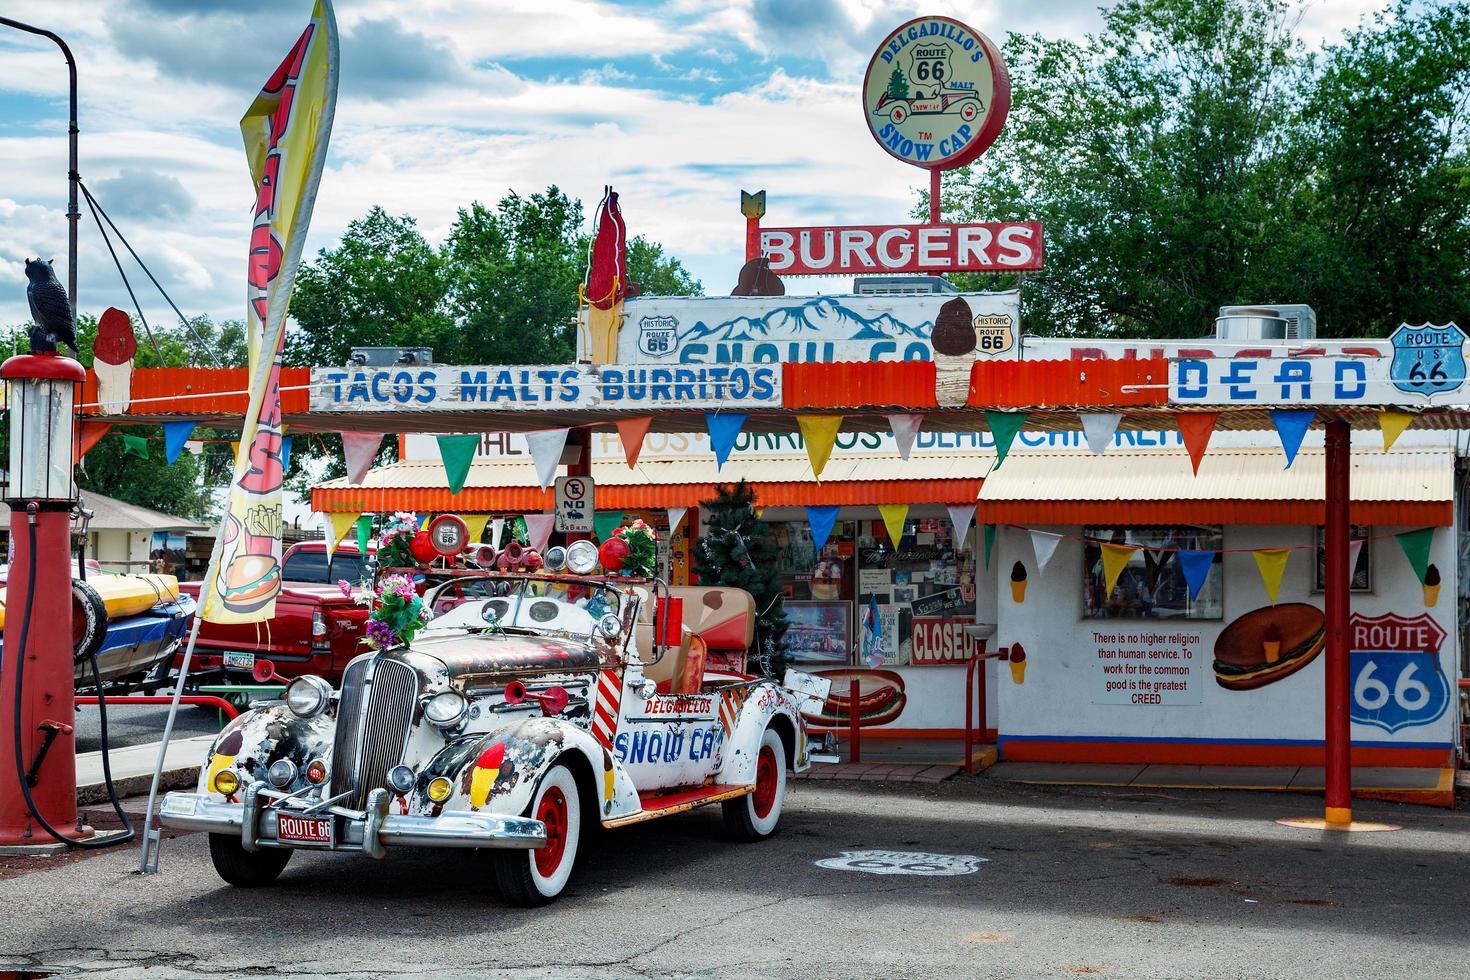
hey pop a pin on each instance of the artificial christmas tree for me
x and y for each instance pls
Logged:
(736, 551)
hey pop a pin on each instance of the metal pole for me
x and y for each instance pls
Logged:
(934, 196)
(854, 729)
(73, 215)
(1338, 727)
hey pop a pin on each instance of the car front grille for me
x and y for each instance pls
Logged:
(373, 714)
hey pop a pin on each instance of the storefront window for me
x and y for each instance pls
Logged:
(1152, 585)
(1362, 574)
(920, 579)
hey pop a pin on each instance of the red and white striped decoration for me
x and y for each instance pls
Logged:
(730, 703)
(605, 707)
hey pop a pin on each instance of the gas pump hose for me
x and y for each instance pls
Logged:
(20, 766)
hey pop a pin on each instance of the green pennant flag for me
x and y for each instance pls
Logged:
(1416, 548)
(605, 523)
(364, 532)
(1003, 427)
(136, 445)
(457, 453)
(989, 542)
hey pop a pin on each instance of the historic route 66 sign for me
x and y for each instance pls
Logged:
(1427, 360)
(1397, 681)
(904, 863)
(657, 335)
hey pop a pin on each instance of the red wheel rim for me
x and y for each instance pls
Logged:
(766, 776)
(553, 813)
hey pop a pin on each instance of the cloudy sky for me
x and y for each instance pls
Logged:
(678, 103)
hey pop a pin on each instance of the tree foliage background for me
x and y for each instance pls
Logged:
(1194, 154)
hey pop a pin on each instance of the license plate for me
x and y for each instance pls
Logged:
(304, 830)
(243, 661)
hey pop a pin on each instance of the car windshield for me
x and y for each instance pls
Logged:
(532, 604)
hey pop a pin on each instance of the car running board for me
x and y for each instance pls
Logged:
(663, 805)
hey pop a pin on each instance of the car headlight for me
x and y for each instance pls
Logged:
(226, 782)
(282, 773)
(400, 779)
(307, 696)
(445, 709)
(582, 557)
(439, 789)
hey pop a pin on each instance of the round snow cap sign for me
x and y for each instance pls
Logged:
(936, 93)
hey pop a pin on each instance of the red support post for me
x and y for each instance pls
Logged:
(854, 730)
(934, 196)
(581, 466)
(1338, 727)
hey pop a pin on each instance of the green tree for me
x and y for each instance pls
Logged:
(898, 85)
(737, 551)
(1193, 154)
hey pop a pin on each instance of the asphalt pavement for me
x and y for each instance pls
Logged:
(140, 724)
(1052, 882)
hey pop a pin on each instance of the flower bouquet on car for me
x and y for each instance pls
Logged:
(631, 551)
(394, 540)
(398, 612)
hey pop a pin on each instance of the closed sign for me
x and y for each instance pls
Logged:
(943, 641)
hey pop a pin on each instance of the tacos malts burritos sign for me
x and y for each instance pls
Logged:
(761, 330)
(936, 93)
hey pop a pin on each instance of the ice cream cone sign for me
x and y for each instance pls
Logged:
(112, 360)
(607, 281)
(953, 339)
(1431, 586)
(1018, 582)
(1018, 663)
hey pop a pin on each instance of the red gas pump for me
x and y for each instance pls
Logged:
(37, 745)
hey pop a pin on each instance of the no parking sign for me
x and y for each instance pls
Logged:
(574, 503)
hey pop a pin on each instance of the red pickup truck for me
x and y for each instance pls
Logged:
(316, 629)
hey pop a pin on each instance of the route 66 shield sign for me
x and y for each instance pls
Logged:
(1397, 680)
(1427, 360)
(904, 863)
(657, 335)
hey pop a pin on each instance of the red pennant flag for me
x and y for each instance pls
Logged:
(90, 434)
(1195, 428)
(631, 432)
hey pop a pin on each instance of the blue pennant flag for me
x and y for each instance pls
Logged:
(1196, 567)
(723, 428)
(1291, 425)
(175, 434)
(821, 519)
(285, 454)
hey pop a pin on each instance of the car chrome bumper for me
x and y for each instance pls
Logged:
(371, 831)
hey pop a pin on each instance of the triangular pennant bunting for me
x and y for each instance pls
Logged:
(340, 523)
(819, 432)
(1196, 568)
(457, 453)
(546, 447)
(1393, 425)
(424, 522)
(538, 530)
(893, 517)
(989, 542)
(960, 516)
(1044, 544)
(1115, 558)
(632, 432)
(1291, 425)
(135, 446)
(359, 449)
(606, 522)
(475, 524)
(1195, 429)
(1003, 427)
(497, 528)
(676, 517)
(723, 428)
(235, 450)
(1272, 565)
(364, 533)
(904, 428)
(1355, 548)
(821, 519)
(91, 433)
(1416, 545)
(285, 453)
(1099, 427)
(175, 434)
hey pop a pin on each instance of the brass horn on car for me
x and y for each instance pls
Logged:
(553, 701)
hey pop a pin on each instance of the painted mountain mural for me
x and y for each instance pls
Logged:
(820, 316)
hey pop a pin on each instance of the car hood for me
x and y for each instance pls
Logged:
(468, 654)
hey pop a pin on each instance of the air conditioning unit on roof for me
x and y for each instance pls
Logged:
(902, 286)
(1301, 321)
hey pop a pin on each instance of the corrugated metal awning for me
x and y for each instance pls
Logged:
(496, 485)
(1234, 486)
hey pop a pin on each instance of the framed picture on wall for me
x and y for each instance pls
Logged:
(820, 632)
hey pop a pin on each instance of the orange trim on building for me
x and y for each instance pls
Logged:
(480, 500)
(180, 386)
(1214, 754)
(851, 384)
(1421, 513)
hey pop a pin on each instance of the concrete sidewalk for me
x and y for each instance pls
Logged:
(132, 768)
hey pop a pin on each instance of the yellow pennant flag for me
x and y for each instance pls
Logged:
(476, 524)
(893, 517)
(819, 432)
(285, 130)
(1272, 563)
(1115, 558)
(341, 524)
(1393, 425)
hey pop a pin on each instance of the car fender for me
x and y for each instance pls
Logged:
(260, 736)
(508, 779)
(760, 705)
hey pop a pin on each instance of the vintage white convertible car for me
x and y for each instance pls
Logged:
(530, 708)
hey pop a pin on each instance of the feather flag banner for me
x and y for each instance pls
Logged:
(1115, 558)
(546, 448)
(286, 130)
(821, 518)
(1272, 564)
(905, 428)
(819, 432)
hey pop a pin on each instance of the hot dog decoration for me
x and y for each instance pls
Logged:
(881, 698)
